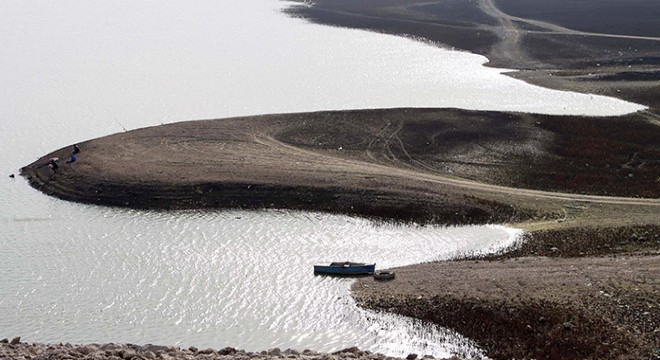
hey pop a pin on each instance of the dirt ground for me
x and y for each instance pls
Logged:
(427, 165)
(596, 307)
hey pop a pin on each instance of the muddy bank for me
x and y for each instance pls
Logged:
(573, 293)
(15, 349)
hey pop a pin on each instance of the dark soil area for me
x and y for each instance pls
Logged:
(595, 155)
(571, 51)
(453, 23)
(603, 156)
(586, 241)
(630, 17)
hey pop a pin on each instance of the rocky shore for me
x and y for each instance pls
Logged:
(16, 350)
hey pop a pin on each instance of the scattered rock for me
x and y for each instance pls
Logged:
(152, 348)
(292, 352)
(112, 346)
(86, 349)
(568, 326)
(225, 351)
(149, 355)
(411, 357)
(15, 341)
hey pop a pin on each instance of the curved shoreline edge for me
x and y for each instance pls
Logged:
(421, 165)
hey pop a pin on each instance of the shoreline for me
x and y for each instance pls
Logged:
(419, 172)
(445, 166)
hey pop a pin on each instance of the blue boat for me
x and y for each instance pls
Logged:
(345, 268)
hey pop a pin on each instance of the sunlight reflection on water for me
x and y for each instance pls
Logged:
(241, 279)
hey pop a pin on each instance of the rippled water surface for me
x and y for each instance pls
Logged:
(73, 70)
(241, 279)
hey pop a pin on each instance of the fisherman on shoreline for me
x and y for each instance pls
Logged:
(53, 164)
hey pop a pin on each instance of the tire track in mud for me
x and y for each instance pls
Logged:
(358, 166)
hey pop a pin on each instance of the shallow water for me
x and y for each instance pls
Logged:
(73, 70)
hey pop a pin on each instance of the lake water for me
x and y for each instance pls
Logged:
(240, 279)
(72, 70)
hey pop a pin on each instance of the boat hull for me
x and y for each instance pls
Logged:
(345, 269)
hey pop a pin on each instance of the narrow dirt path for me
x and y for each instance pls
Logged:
(507, 32)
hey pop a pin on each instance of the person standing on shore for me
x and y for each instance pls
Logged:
(53, 164)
